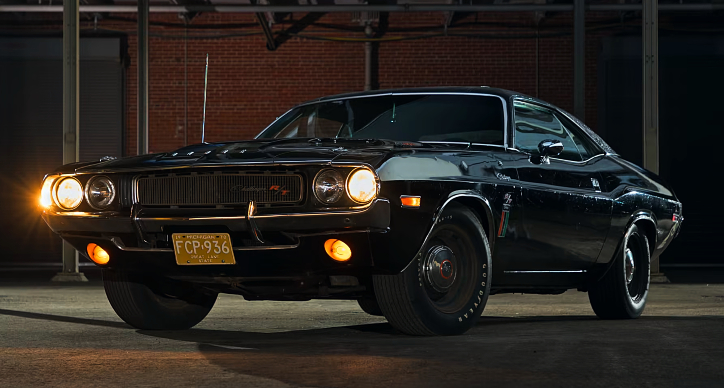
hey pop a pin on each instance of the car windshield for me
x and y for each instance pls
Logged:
(445, 118)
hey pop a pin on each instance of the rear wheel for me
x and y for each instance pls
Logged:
(445, 289)
(156, 303)
(623, 291)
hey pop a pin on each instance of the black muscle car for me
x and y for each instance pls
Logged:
(418, 203)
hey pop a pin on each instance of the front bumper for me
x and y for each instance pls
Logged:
(139, 241)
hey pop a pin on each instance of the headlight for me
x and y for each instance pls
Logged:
(46, 193)
(328, 186)
(362, 185)
(100, 192)
(68, 193)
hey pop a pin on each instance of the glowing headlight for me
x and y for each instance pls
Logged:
(100, 192)
(328, 186)
(68, 193)
(362, 185)
(46, 193)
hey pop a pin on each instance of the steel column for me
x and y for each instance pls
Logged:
(650, 33)
(71, 129)
(579, 59)
(143, 12)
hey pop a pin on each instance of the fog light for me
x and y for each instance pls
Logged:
(97, 254)
(337, 250)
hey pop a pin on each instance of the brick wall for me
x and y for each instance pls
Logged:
(249, 86)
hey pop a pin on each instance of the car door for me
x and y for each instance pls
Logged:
(565, 216)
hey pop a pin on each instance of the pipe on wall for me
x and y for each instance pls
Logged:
(357, 8)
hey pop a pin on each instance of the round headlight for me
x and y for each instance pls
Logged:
(362, 185)
(328, 186)
(100, 192)
(68, 193)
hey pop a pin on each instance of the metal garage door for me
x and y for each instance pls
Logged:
(690, 84)
(31, 121)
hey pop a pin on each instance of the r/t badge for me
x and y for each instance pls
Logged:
(507, 203)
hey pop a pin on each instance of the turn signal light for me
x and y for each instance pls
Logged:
(97, 254)
(410, 201)
(337, 250)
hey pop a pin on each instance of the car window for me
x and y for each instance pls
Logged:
(533, 124)
(475, 119)
(586, 147)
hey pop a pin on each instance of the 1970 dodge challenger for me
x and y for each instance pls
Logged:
(417, 203)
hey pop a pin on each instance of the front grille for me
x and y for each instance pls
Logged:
(219, 189)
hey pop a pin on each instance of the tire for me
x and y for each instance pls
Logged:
(155, 303)
(418, 301)
(370, 306)
(622, 292)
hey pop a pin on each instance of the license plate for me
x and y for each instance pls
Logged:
(203, 248)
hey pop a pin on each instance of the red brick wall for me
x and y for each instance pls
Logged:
(249, 86)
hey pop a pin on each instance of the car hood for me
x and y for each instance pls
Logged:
(275, 151)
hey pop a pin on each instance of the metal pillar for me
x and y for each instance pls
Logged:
(142, 142)
(579, 59)
(71, 130)
(650, 128)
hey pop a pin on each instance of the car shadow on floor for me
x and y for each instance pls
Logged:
(498, 351)
(537, 351)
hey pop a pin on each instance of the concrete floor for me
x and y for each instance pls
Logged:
(59, 335)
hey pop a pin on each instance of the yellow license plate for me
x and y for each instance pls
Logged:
(203, 248)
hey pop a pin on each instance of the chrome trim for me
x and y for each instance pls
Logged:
(462, 143)
(250, 212)
(119, 244)
(438, 213)
(318, 101)
(314, 214)
(102, 214)
(519, 272)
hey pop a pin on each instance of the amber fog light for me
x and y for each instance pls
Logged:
(97, 254)
(68, 193)
(337, 250)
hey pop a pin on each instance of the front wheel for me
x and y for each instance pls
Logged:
(622, 292)
(156, 303)
(445, 289)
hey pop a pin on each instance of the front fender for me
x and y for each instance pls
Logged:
(410, 228)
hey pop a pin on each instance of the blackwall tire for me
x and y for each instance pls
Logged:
(370, 306)
(622, 292)
(418, 301)
(154, 303)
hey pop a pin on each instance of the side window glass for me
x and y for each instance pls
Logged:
(586, 147)
(534, 124)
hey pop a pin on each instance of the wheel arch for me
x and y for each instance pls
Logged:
(473, 201)
(645, 220)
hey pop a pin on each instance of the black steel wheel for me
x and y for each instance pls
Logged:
(623, 290)
(445, 289)
(156, 303)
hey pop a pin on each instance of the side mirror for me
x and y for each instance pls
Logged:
(550, 148)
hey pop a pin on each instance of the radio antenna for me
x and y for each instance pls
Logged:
(203, 120)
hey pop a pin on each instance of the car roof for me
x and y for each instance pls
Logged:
(440, 89)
